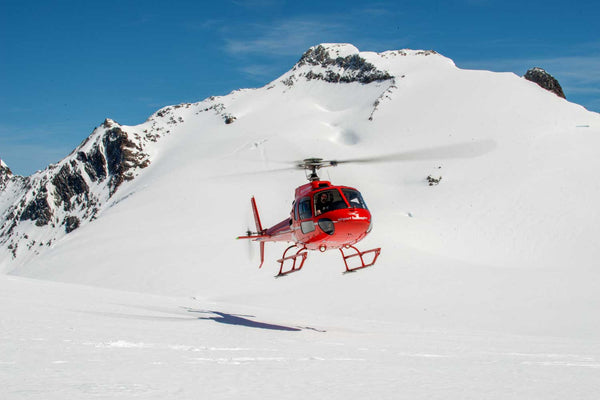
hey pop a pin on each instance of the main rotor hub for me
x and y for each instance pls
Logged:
(312, 165)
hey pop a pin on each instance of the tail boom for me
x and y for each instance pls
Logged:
(265, 235)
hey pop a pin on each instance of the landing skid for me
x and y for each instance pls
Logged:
(360, 255)
(298, 258)
(297, 261)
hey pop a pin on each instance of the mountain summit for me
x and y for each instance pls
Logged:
(337, 63)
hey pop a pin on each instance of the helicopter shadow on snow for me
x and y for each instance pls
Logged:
(208, 315)
(241, 320)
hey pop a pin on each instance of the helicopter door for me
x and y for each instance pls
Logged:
(305, 213)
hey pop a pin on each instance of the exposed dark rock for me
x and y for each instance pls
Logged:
(64, 188)
(71, 223)
(4, 170)
(79, 184)
(433, 180)
(10, 230)
(162, 112)
(316, 56)
(37, 210)
(352, 68)
(68, 183)
(122, 155)
(5, 176)
(94, 164)
(289, 81)
(114, 144)
(544, 80)
(229, 119)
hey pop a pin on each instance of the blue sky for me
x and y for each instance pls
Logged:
(65, 66)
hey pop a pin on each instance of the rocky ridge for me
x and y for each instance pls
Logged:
(59, 199)
(36, 211)
(5, 175)
(544, 80)
(335, 65)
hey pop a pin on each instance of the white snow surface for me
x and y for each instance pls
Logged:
(487, 285)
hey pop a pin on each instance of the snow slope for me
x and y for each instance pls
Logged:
(63, 341)
(486, 286)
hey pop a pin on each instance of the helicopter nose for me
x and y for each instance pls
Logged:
(355, 227)
(350, 226)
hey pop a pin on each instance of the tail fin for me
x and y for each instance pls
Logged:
(262, 254)
(260, 232)
(259, 228)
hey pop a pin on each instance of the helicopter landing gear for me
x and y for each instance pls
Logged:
(298, 257)
(360, 255)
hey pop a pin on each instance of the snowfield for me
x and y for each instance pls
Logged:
(487, 284)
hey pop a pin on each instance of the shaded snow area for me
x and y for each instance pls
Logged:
(487, 284)
(67, 341)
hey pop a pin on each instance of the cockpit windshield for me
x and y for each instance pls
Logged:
(354, 198)
(328, 200)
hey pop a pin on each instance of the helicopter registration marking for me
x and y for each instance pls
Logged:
(353, 218)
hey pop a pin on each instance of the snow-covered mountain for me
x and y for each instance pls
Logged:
(486, 285)
(337, 101)
(40, 209)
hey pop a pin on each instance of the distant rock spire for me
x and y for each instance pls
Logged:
(5, 174)
(4, 170)
(544, 80)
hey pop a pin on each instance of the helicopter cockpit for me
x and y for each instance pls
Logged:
(332, 199)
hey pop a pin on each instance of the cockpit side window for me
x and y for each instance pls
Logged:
(328, 200)
(304, 209)
(354, 198)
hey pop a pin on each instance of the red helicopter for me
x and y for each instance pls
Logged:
(327, 217)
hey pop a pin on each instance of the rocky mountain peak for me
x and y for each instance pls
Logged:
(336, 63)
(4, 168)
(65, 195)
(326, 52)
(544, 80)
(5, 174)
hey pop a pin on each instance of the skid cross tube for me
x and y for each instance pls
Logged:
(300, 253)
(360, 254)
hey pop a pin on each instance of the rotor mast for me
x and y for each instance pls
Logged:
(312, 165)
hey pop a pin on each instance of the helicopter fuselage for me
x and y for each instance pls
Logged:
(342, 219)
(323, 217)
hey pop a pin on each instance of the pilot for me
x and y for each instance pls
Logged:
(323, 204)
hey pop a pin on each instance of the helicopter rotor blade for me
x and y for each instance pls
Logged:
(435, 153)
(453, 151)
(252, 173)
